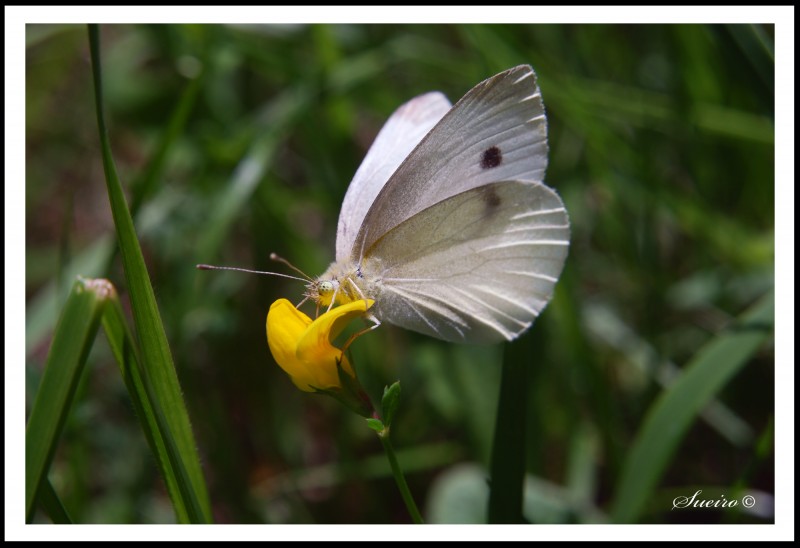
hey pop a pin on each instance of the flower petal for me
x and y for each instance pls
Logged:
(333, 322)
(315, 349)
(285, 326)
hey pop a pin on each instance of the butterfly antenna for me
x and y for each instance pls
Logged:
(278, 258)
(211, 267)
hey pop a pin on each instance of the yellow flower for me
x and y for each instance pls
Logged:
(303, 348)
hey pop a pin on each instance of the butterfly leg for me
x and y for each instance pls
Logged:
(354, 336)
(364, 297)
(333, 298)
(301, 303)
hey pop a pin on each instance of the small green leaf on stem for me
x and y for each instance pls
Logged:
(390, 401)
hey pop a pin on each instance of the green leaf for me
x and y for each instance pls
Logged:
(72, 340)
(155, 352)
(375, 424)
(350, 393)
(672, 414)
(390, 401)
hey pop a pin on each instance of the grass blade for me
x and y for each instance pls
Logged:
(124, 348)
(508, 449)
(670, 417)
(155, 352)
(52, 504)
(249, 172)
(72, 340)
(146, 184)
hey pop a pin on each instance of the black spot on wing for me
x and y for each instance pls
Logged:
(491, 199)
(492, 157)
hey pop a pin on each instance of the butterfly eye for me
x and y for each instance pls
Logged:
(326, 287)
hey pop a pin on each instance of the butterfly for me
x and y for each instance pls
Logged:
(447, 224)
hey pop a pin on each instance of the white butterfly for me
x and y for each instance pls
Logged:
(446, 224)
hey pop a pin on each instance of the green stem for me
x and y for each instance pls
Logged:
(399, 478)
(508, 449)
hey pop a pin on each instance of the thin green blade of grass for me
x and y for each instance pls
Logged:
(156, 356)
(508, 455)
(421, 458)
(670, 416)
(587, 99)
(758, 48)
(606, 325)
(729, 238)
(280, 113)
(146, 184)
(581, 466)
(124, 349)
(48, 498)
(734, 123)
(154, 422)
(72, 340)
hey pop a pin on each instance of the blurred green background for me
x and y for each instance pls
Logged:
(237, 141)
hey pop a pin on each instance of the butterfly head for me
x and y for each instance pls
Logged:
(342, 283)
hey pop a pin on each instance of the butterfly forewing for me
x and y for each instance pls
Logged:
(496, 132)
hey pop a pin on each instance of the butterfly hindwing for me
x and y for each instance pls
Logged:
(479, 266)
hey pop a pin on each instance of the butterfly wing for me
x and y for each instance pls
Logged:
(476, 267)
(398, 137)
(496, 132)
